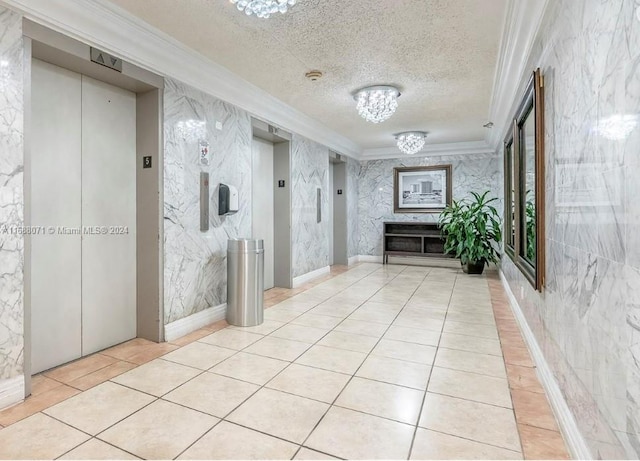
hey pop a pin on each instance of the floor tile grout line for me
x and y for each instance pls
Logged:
(365, 359)
(156, 398)
(352, 375)
(471, 372)
(263, 386)
(515, 413)
(424, 397)
(104, 430)
(389, 281)
(495, 405)
(93, 437)
(472, 440)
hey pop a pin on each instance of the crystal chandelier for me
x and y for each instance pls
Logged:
(411, 142)
(377, 103)
(263, 8)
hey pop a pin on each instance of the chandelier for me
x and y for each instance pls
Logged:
(411, 142)
(377, 103)
(263, 8)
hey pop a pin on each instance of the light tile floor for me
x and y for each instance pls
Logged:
(393, 362)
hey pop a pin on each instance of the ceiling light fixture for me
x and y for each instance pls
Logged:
(411, 142)
(377, 103)
(263, 8)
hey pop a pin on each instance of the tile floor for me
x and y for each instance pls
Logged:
(393, 362)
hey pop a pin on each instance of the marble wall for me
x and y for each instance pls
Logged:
(195, 273)
(353, 227)
(587, 320)
(11, 195)
(470, 173)
(309, 172)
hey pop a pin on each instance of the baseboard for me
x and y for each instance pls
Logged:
(369, 259)
(576, 444)
(179, 328)
(11, 391)
(413, 261)
(302, 279)
(353, 260)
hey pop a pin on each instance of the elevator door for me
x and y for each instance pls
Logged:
(262, 204)
(56, 186)
(108, 205)
(83, 180)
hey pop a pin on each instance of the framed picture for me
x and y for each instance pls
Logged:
(421, 189)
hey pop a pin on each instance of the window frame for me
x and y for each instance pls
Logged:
(515, 173)
(509, 196)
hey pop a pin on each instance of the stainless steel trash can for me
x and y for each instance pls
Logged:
(245, 282)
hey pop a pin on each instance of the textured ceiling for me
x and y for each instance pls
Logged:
(441, 53)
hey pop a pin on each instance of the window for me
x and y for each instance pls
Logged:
(509, 197)
(524, 185)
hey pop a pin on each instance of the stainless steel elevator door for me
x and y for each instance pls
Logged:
(109, 211)
(262, 203)
(83, 187)
(56, 183)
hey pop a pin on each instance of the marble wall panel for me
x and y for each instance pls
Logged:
(353, 229)
(470, 173)
(11, 195)
(309, 172)
(195, 273)
(587, 321)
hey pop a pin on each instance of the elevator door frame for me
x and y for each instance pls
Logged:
(281, 140)
(60, 50)
(339, 235)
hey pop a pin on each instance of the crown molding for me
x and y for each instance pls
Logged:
(452, 148)
(109, 27)
(520, 29)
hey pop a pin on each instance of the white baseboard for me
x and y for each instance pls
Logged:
(369, 259)
(179, 328)
(11, 391)
(576, 444)
(353, 260)
(302, 279)
(413, 261)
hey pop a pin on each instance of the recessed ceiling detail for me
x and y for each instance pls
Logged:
(263, 8)
(376, 104)
(411, 142)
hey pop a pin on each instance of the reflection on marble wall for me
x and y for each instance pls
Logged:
(588, 319)
(471, 173)
(353, 234)
(195, 273)
(11, 195)
(309, 171)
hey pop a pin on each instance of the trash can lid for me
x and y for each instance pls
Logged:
(241, 245)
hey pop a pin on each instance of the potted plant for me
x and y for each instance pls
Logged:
(471, 230)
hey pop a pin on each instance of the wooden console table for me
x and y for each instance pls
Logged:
(412, 239)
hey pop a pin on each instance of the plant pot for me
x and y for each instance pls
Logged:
(473, 267)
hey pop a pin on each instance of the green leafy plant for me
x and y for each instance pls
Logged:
(530, 214)
(471, 229)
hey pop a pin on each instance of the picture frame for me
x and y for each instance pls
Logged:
(421, 189)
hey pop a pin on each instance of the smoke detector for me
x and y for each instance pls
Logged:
(313, 75)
